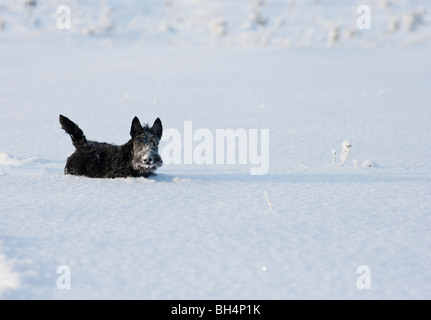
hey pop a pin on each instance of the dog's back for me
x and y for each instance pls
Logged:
(99, 160)
(93, 159)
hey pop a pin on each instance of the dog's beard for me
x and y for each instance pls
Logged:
(138, 166)
(139, 161)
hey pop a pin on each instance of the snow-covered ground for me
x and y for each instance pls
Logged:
(207, 231)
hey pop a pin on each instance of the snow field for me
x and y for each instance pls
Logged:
(206, 231)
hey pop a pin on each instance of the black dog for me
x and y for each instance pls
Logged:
(139, 157)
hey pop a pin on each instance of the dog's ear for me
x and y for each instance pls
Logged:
(136, 127)
(157, 128)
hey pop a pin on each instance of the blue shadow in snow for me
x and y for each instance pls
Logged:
(290, 178)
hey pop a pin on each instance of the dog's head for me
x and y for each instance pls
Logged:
(145, 151)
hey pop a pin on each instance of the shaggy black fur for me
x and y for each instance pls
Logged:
(139, 157)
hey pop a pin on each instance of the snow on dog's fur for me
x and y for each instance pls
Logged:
(139, 157)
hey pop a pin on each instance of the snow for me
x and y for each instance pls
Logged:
(304, 230)
(5, 160)
(8, 278)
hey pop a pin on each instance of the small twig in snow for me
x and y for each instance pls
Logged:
(267, 199)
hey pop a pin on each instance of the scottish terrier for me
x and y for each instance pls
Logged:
(139, 157)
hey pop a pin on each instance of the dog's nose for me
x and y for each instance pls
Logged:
(152, 159)
(156, 159)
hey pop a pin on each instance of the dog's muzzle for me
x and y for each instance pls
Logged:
(152, 161)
